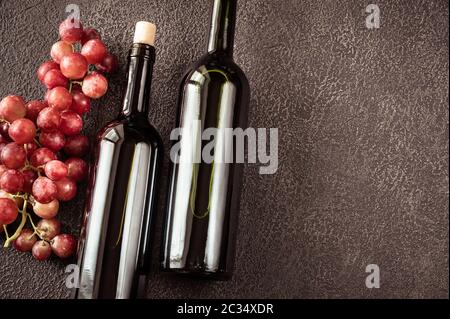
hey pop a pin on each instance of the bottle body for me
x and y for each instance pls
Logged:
(114, 248)
(119, 212)
(203, 196)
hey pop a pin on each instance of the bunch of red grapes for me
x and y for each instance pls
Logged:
(41, 145)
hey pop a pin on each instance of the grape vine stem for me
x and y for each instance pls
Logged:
(36, 231)
(21, 225)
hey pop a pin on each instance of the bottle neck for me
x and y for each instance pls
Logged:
(221, 36)
(140, 70)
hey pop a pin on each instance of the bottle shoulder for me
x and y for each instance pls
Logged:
(220, 66)
(136, 130)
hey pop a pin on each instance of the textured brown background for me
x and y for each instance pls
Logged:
(363, 122)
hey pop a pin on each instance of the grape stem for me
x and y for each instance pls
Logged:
(21, 225)
(74, 82)
(6, 231)
(36, 231)
(37, 142)
(29, 166)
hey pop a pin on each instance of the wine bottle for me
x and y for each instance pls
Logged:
(203, 196)
(113, 255)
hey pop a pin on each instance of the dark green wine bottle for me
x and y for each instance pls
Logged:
(115, 240)
(203, 197)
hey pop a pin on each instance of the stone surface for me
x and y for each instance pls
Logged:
(363, 123)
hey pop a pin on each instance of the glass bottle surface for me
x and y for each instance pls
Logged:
(115, 239)
(203, 196)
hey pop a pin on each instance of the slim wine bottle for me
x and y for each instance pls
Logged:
(113, 254)
(203, 196)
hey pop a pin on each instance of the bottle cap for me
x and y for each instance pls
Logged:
(145, 33)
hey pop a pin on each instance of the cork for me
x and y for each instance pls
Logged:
(145, 33)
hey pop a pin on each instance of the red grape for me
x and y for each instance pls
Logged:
(41, 250)
(90, 34)
(109, 64)
(54, 78)
(56, 170)
(53, 140)
(30, 148)
(18, 200)
(3, 168)
(81, 104)
(44, 190)
(77, 169)
(46, 211)
(8, 211)
(60, 98)
(4, 194)
(48, 228)
(94, 50)
(59, 50)
(4, 141)
(77, 146)
(33, 109)
(22, 131)
(95, 85)
(25, 241)
(71, 30)
(41, 156)
(45, 67)
(4, 128)
(64, 245)
(12, 108)
(46, 97)
(29, 176)
(13, 156)
(67, 189)
(12, 181)
(71, 123)
(48, 120)
(2, 146)
(74, 66)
